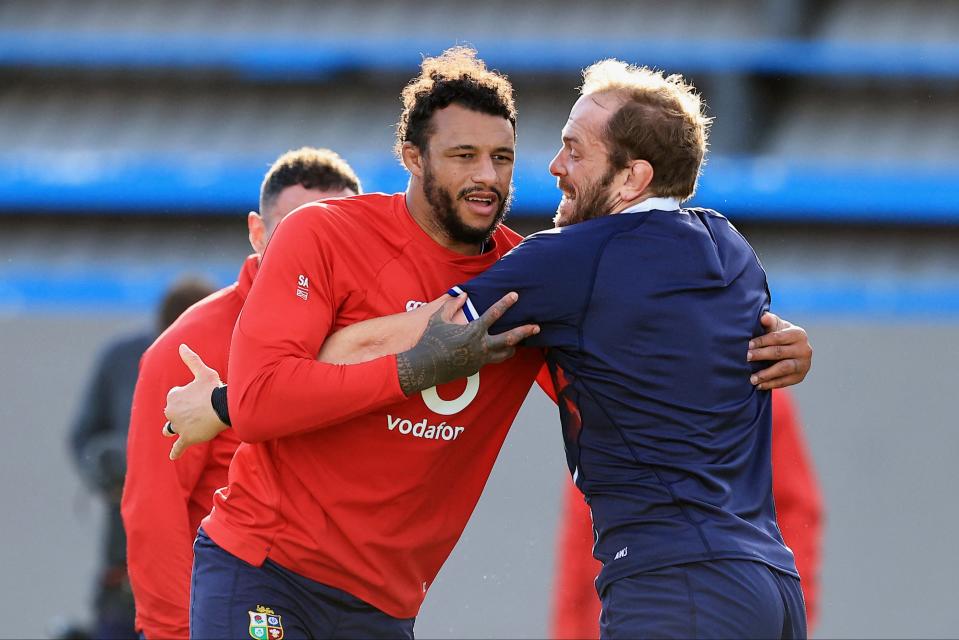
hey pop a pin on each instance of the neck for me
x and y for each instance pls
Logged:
(422, 213)
(649, 198)
(622, 205)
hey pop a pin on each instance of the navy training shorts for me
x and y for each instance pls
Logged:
(717, 599)
(230, 598)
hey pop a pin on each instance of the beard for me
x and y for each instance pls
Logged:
(444, 209)
(592, 201)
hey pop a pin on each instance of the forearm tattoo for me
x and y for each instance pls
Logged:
(445, 352)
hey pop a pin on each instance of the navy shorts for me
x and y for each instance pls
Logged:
(718, 599)
(233, 599)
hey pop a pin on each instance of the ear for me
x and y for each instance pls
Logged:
(639, 175)
(257, 228)
(413, 159)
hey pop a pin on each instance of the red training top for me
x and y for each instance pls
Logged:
(798, 510)
(340, 477)
(164, 501)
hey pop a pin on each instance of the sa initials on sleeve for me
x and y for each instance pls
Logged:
(303, 287)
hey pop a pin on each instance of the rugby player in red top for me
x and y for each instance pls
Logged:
(164, 501)
(354, 482)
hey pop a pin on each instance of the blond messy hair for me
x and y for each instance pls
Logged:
(660, 119)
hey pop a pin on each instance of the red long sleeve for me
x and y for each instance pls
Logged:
(277, 387)
(156, 520)
(164, 501)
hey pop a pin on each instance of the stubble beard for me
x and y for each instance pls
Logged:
(444, 210)
(592, 201)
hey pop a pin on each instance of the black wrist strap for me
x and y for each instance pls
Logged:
(218, 400)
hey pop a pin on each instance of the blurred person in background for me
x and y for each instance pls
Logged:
(98, 442)
(350, 488)
(799, 511)
(163, 500)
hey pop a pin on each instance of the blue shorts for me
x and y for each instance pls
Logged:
(232, 599)
(718, 599)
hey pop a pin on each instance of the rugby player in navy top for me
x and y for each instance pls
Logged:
(647, 314)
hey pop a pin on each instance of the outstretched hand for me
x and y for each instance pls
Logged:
(449, 351)
(188, 408)
(787, 345)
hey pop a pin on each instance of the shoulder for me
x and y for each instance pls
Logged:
(571, 238)
(719, 225)
(551, 248)
(710, 217)
(340, 219)
(349, 209)
(704, 212)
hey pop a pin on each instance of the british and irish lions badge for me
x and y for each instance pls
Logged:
(265, 624)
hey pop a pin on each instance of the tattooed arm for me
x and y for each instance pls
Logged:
(444, 348)
(379, 337)
(448, 351)
(433, 343)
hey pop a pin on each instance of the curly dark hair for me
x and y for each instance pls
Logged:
(456, 76)
(311, 168)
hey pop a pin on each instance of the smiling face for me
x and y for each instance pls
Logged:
(582, 166)
(465, 174)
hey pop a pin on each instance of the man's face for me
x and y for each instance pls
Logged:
(294, 197)
(468, 171)
(582, 168)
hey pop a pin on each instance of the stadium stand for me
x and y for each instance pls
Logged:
(192, 97)
(838, 112)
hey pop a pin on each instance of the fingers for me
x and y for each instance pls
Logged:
(451, 307)
(780, 382)
(193, 362)
(168, 431)
(166, 410)
(502, 355)
(178, 448)
(496, 311)
(788, 336)
(782, 374)
(778, 352)
(772, 322)
(513, 337)
(502, 346)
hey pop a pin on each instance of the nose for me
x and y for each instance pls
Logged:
(485, 171)
(555, 166)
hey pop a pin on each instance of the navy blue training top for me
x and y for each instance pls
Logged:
(647, 317)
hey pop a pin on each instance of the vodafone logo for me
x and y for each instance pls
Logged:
(436, 404)
(422, 429)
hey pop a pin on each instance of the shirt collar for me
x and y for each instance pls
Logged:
(654, 204)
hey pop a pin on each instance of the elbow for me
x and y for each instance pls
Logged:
(245, 418)
(248, 432)
(244, 426)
